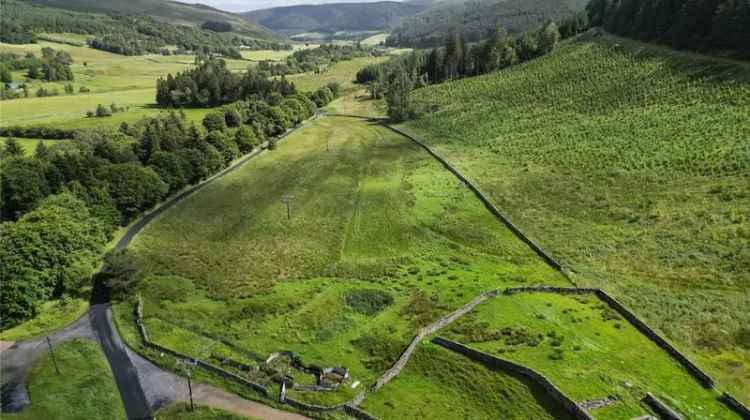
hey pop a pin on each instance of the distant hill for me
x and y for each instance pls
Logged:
(330, 18)
(474, 19)
(163, 10)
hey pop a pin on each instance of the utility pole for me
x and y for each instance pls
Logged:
(52, 354)
(287, 199)
(188, 363)
(190, 390)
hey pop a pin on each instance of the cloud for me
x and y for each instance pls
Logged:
(247, 5)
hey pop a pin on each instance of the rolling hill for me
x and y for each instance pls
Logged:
(330, 18)
(164, 10)
(474, 19)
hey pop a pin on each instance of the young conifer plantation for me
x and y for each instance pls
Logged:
(460, 209)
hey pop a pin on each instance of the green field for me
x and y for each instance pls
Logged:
(630, 165)
(84, 389)
(437, 381)
(129, 82)
(344, 72)
(586, 350)
(29, 145)
(373, 219)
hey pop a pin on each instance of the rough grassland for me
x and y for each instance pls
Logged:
(437, 382)
(629, 164)
(85, 388)
(586, 350)
(373, 215)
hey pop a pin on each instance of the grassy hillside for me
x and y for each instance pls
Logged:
(475, 19)
(437, 381)
(372, 216)
(165, 10)
(630, 164)
(329, 18)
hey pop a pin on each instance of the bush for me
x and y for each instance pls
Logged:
(368, 301)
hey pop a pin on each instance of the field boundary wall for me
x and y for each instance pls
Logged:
(570, 406)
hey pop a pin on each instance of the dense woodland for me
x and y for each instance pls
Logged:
(477, 19)
(61, 205)
(211, 84)
(120, 34)
(702, 25)
(314, 59)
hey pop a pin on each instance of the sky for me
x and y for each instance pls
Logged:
(247, 5)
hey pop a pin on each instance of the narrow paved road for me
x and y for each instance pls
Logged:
(132, 372)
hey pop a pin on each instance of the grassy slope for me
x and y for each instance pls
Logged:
(167, 11)
(373, 213)
(602, 355)
(85, 388)
(631, 165)
(437, 381)
(52, 316)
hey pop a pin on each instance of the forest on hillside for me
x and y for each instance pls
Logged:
(701, 25)
(477, 19)
(120, 34)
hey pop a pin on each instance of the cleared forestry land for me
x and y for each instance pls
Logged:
(630, 164)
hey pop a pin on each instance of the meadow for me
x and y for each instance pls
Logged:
(84, 388)
(381, 241)
(628, 163)
(587, 350)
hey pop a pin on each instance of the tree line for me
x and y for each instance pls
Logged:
(120, 34)
(395, 78)
(701, 25)
(62, 204)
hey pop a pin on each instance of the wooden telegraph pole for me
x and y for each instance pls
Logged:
(287, 199)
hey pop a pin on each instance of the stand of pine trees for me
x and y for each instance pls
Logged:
(700, 25)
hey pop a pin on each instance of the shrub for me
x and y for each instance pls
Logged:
(368, 301)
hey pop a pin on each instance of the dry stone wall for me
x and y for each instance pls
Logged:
(566, 402)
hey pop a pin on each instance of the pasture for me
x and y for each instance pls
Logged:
(631, 167)
(587, 350)
(381, 241)
(437, 381)
(128, 82)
